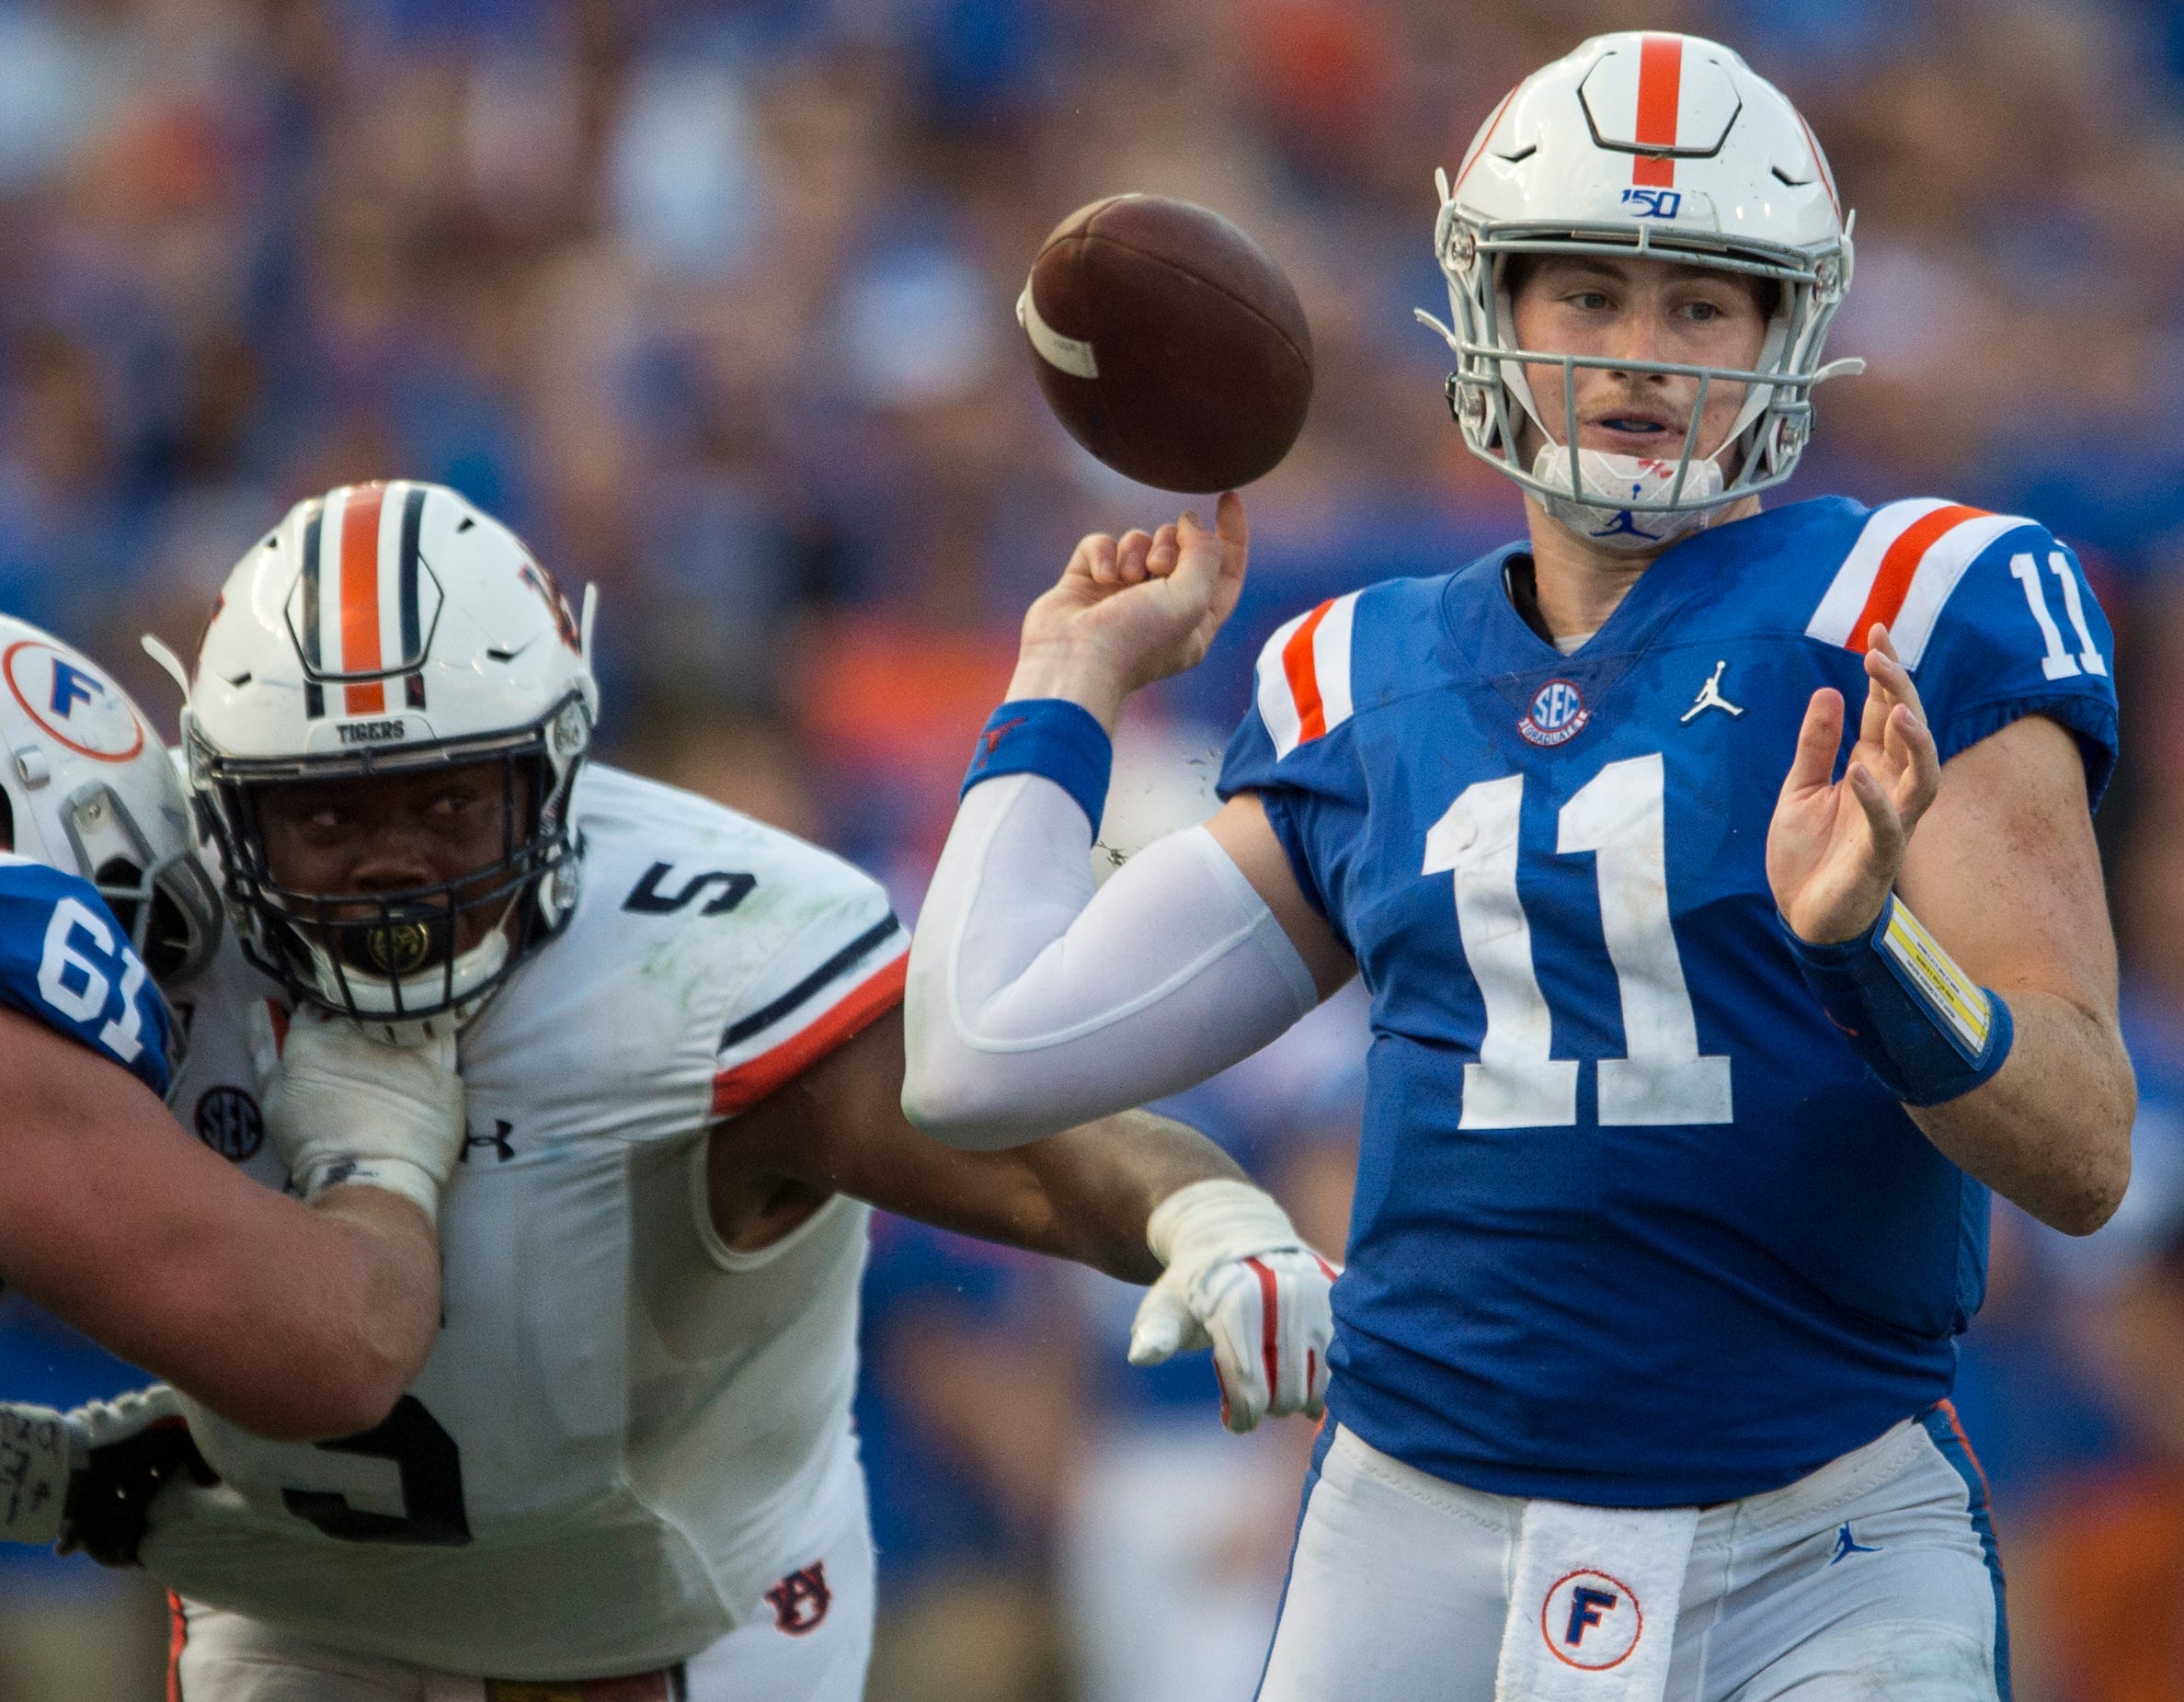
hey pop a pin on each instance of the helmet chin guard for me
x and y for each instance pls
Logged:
(1620, 488)
(1649, 148)
(381, 631)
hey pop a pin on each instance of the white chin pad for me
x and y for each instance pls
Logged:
(1611, 511)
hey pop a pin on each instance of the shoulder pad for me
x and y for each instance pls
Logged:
(1906, 560)
(1304, 675)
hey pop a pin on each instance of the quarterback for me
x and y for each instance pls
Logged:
(104, 906)
(1724, 883)
(626, 1471)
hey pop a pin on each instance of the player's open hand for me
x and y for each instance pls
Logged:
(1132, 610)
(1835, 846)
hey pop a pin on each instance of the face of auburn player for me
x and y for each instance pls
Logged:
(386, 834)
(1636, 310)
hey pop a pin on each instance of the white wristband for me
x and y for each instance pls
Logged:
(1221, 1218)
(391, 1175)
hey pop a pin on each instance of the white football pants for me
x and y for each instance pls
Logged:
(1876, 1576)
(809, 1641)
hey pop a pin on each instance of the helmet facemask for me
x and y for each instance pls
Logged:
(165, 902)
(406, 962)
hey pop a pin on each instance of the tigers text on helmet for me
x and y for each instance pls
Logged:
(1647, 147)
(89, 789)
(393, 629)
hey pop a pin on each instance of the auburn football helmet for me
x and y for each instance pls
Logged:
(382, 629)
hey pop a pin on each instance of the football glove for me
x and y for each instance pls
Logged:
(1241, 1281)
(342, 1107)
(85, 1479)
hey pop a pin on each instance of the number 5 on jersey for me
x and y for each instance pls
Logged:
(1517, 1083)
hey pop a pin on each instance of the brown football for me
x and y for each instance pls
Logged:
(1168, 343)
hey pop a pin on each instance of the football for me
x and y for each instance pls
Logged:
(1168, 343)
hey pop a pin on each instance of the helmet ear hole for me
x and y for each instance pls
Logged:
(113, 877)
(165, 941)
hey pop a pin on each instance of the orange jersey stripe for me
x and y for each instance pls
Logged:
(1892, 581)
(359, 598)
(177, 1639)
(744, 1086)
(1957, 1424)
(1304, 675)
(1660, 94)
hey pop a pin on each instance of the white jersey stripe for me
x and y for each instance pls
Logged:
(1938, 570)
(759, 1031)
(331, 658)
(1838, 611)
(390, 585)
(1277, 705)
(1304, 675)
(864, 996)
(1331, 659)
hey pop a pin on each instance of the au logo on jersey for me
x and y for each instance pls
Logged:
(70, 701)
(801, 1600)
(1557, 716)
(1591, 1621)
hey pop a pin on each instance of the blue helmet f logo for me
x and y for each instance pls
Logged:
(72, 686)
(1587, 1606)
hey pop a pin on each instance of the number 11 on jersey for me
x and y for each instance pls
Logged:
(1517, 1083)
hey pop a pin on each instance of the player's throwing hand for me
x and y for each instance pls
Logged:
(1132, 610)
(1835, 847)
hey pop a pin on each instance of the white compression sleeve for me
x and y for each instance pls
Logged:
(1035, 1004)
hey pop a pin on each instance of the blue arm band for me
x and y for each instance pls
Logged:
(1924, 1029)
(1047, 736)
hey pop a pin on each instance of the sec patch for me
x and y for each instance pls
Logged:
(229, 1122)
(1558, 713)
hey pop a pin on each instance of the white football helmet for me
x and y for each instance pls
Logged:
(379, 629)
(1661, 146)
(89, 788)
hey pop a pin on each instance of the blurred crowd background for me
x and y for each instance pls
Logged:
(713, 302)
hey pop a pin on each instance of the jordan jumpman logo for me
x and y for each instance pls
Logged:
(1709, 696)
(1848, 1545)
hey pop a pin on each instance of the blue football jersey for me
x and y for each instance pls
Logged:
(65, 961)
(1633, 1223)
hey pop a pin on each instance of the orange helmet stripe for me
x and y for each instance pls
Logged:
(1660, 97)
(359, 598)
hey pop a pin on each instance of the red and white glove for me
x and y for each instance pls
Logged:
(1241, 1281)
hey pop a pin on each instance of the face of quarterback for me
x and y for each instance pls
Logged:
(395, 833)
(1638, 310)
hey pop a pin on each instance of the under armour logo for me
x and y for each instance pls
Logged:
(1709, 696)
(503, 1148)
(801, 1600)
(1846, 1545)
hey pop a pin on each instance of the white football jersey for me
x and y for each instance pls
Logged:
(627, 1431)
